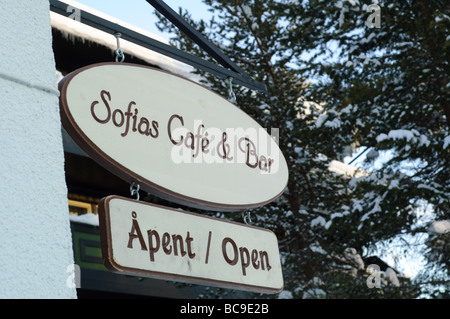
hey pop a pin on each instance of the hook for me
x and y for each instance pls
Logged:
(247, 217)
(119, 53)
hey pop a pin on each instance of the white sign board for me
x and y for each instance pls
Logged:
(176, 138)
(147, 240)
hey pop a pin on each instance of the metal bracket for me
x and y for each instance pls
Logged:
(227, 70)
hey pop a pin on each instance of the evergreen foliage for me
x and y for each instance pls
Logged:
(336, 86)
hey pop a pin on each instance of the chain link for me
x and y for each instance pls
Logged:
(134, 190)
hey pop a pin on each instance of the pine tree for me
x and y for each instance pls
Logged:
(390, 89)
(336, 85)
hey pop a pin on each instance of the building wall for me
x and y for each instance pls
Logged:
(35, 237)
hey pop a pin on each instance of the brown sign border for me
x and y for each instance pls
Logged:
(111, 265)
(126, 174)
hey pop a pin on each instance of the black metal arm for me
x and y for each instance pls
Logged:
(228, 70)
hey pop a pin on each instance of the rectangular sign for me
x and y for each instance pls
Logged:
(148, 240)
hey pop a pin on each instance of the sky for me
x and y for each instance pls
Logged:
(141, 14)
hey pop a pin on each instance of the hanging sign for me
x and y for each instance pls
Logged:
(143, 239)
(176, 138)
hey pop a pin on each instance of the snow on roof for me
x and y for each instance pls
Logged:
(73, 29)
(88, 219)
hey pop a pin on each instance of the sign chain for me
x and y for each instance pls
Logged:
(231, 95)
(120, 56)
(134, 190)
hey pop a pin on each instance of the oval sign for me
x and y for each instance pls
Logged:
(176, 138)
